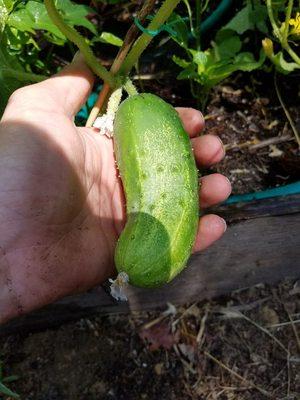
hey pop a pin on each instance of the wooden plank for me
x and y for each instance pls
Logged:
(253, 251)
(282, 205)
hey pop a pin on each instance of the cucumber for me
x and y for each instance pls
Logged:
(160, 180)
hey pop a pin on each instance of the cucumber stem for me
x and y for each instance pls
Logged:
(126, 46)
(80, 42)
(130, 88)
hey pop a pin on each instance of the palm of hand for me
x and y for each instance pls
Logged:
(73, 210)
(62, 208)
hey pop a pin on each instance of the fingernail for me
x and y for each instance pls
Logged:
(78, 57)
(225, 224)
(227, 180)
(222, 145)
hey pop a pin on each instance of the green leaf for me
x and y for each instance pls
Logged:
(11, 378)
(34, 16)
(227, 45)
(6, 7)
(253, 15)
(7, 85)
(7, 392)
(282, 65)
(109, 38)
(181, 62)
(242, 62)
(246, 62)
(259, 16)
(188, 73)
(242, 21)
(75, 14)
(180, 29)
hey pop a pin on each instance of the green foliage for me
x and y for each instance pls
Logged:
(33, 17)
(7, 84)
(109, 38)
(210, 67)
(286, 33)
(3, 381)
(253, 16)
(232, 47)
(24, 28)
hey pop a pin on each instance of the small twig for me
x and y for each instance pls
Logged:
(237, 375)
(294, 328)
(273, 140)
(261, 328)
(287, 114)
(185, 312)
(289, 375)
(253, 145)
(202, 327)
(241, 307)
(126, 46)
(282, 324)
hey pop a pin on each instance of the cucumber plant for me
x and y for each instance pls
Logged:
(155, 160)
(258, 22)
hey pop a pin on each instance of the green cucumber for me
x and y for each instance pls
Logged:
(160, 180)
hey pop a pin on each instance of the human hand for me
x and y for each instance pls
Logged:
(61, 201)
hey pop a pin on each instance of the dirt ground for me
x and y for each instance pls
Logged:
(241, 347)
(245, 346)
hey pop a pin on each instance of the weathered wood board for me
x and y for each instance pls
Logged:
(261, 249)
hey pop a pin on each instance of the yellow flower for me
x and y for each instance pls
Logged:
(295, 22)
(268, 47)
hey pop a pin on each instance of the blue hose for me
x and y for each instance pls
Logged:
(286, 190)
(214, 18)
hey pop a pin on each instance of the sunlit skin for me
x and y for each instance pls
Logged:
(62, 206)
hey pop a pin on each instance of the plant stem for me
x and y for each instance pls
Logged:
(22, 76)
(189, 10)
(198, 22)
(272, 19)
(130, 88)
(127, 43)
(140, 45)
(284, 40)
(287, 21)
(287, 114)
(283, 37)
(291, 53)
(80, 42)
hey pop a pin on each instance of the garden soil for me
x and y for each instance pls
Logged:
(245, 346)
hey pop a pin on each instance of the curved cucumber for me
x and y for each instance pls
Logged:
(160, 181)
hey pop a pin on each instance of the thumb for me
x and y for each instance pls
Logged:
(71, 86)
